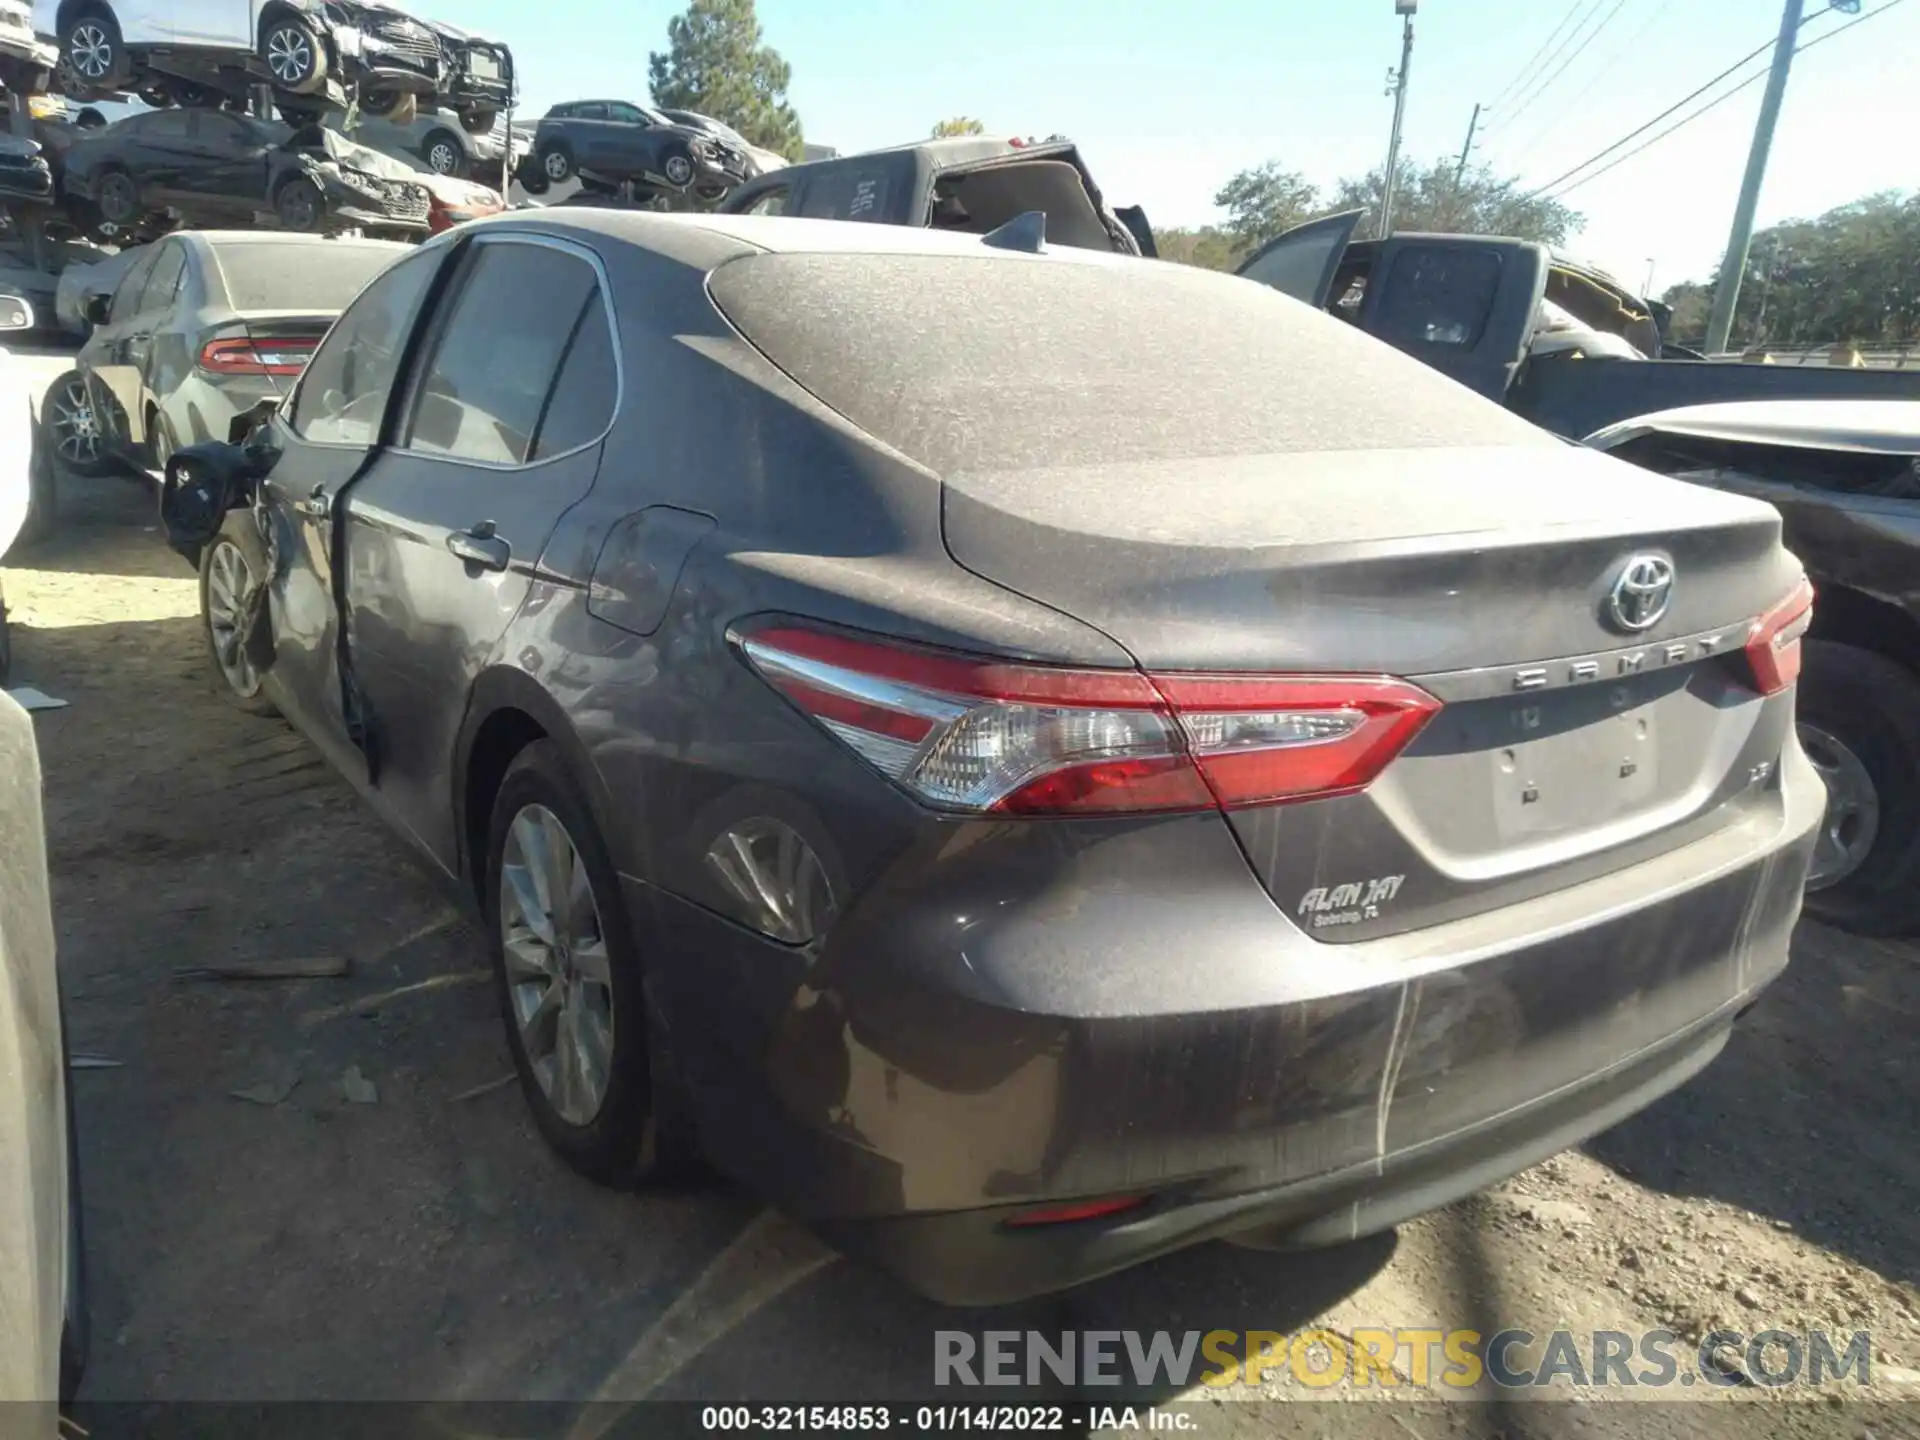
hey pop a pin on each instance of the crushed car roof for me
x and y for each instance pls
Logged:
(1884, 427)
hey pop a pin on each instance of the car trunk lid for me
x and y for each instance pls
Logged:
(1567, 743)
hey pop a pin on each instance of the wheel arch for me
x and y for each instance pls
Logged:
(71, 10)
(1845, 615)
(508, 711)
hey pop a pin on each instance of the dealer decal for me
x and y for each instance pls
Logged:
(1348, 904)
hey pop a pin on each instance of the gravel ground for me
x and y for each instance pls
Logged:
(361, 1225)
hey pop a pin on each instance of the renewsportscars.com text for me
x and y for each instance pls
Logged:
(1444, 1359)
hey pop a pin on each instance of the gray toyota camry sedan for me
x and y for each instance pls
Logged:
(1031, 758)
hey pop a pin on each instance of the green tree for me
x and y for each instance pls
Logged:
(959, 125)
(1209, 247)
(1263, 201)
(715, 63)
(1852, 274)
(1427, 197)
(1691, 303)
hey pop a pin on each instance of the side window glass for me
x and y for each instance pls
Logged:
(481, 395)
(774, 202)
(1439, 295)
(163, 280)
(126, 295)
(343, 392)
(586, 390)
(590, 112)
(626, 115)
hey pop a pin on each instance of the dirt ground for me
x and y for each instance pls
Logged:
(293, 1191)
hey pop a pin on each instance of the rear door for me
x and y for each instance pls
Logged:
(1462, 304)
(230, 161)
(326, 436)
(444, 531)
(1302, 261)
(103, 360)
(127, 345)
(162, 156)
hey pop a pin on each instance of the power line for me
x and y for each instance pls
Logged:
(1576, 53)
(1606, 68)
(1713, 104)
(1526, 68)
(1746, 59)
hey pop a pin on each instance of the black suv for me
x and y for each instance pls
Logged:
(617, 141)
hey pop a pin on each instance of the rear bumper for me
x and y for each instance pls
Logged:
(988, 1034)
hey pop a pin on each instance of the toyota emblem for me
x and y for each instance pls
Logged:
(1641, 594)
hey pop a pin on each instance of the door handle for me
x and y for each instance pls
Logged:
(317, 506)
(480, 546)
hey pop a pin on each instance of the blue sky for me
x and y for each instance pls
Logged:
(1169, 99)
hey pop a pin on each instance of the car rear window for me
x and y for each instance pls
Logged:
(997, 363)
(267, 276)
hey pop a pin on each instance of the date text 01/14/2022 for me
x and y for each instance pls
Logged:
(924, 1419)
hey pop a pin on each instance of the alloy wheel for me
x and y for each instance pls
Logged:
(1852, 819)
(229, 578)
(443, 158)
(679, 169)
(559, 972)
(90, 52)
(556, 165)
(289, 56)
(75, 427)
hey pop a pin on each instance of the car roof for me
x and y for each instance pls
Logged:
(284, 237)
(712, 238)
(1879, 427)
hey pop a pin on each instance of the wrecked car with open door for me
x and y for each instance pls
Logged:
(969, 184)
(1558, 342)
(995, 626)
(1845, 477)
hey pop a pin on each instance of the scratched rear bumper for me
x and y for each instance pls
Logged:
(1022, 1036)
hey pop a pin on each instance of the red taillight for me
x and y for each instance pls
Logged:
(1773, 645)
(1077, 1210)
(256, 357)
(990, 736)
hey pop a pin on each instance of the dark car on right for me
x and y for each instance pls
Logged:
(216, 167)
(617, 141)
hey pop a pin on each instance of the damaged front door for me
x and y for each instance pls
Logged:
(325, 437)
(1464, 304)
(1302, 261)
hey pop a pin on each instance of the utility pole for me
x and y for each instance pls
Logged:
(1460, 170)
(1726, 295)
(1398, 81)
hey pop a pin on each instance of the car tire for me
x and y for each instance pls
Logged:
(532, 178)
(478, 121)
(160, 440)
(116, 195)
(290, 48)
(1859, 721)
(76, 439)
(396, 107)
(443, 153)
(677, 167)
(556, 162)
(92, 53)
(633, 1123)
(232, 561)
(300, 206)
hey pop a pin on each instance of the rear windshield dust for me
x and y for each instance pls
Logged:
(971, 364)
(298, 277)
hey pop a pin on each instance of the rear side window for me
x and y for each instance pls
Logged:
(585, 392)
(126, 295)
(774, 202)
(1001, 363)
(847, 194)
(1438, 295)
(494, 361)
(164, 281)
(344, 390)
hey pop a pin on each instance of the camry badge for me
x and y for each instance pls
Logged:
(1641, 593)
